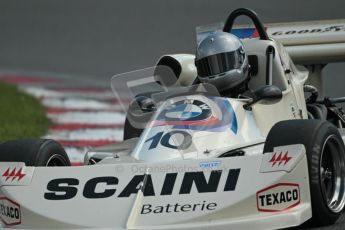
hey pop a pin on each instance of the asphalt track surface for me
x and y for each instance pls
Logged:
(93, 40)
(98, 39)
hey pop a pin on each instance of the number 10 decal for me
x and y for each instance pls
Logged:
(165, 140)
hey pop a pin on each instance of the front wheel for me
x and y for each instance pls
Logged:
(326, 164)
(34, 152)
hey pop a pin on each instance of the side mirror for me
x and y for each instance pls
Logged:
(268, 92)
(140, 111)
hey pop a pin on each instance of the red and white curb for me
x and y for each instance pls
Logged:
(82, 118)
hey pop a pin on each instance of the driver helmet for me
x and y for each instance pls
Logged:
(221, 60)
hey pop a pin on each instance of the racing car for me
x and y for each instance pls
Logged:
(194, 159)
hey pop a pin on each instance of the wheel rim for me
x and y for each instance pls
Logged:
(332, 174)
(56, 160)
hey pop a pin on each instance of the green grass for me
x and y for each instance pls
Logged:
(21, 115)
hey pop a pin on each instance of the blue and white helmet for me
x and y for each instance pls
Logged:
(221, 60)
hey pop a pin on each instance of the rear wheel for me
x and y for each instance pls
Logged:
(34, 152)
(130, 131)
(326, 163)
(138, 115)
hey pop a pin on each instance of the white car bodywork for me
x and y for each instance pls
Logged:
(198, 207)
(156, 182)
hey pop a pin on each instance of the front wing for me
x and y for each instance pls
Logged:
(268, 190)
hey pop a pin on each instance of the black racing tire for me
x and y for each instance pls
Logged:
(137, 117)
(326, 164)
(130, 131)
(34, 152)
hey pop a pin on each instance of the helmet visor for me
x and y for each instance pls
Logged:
(219, 63)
